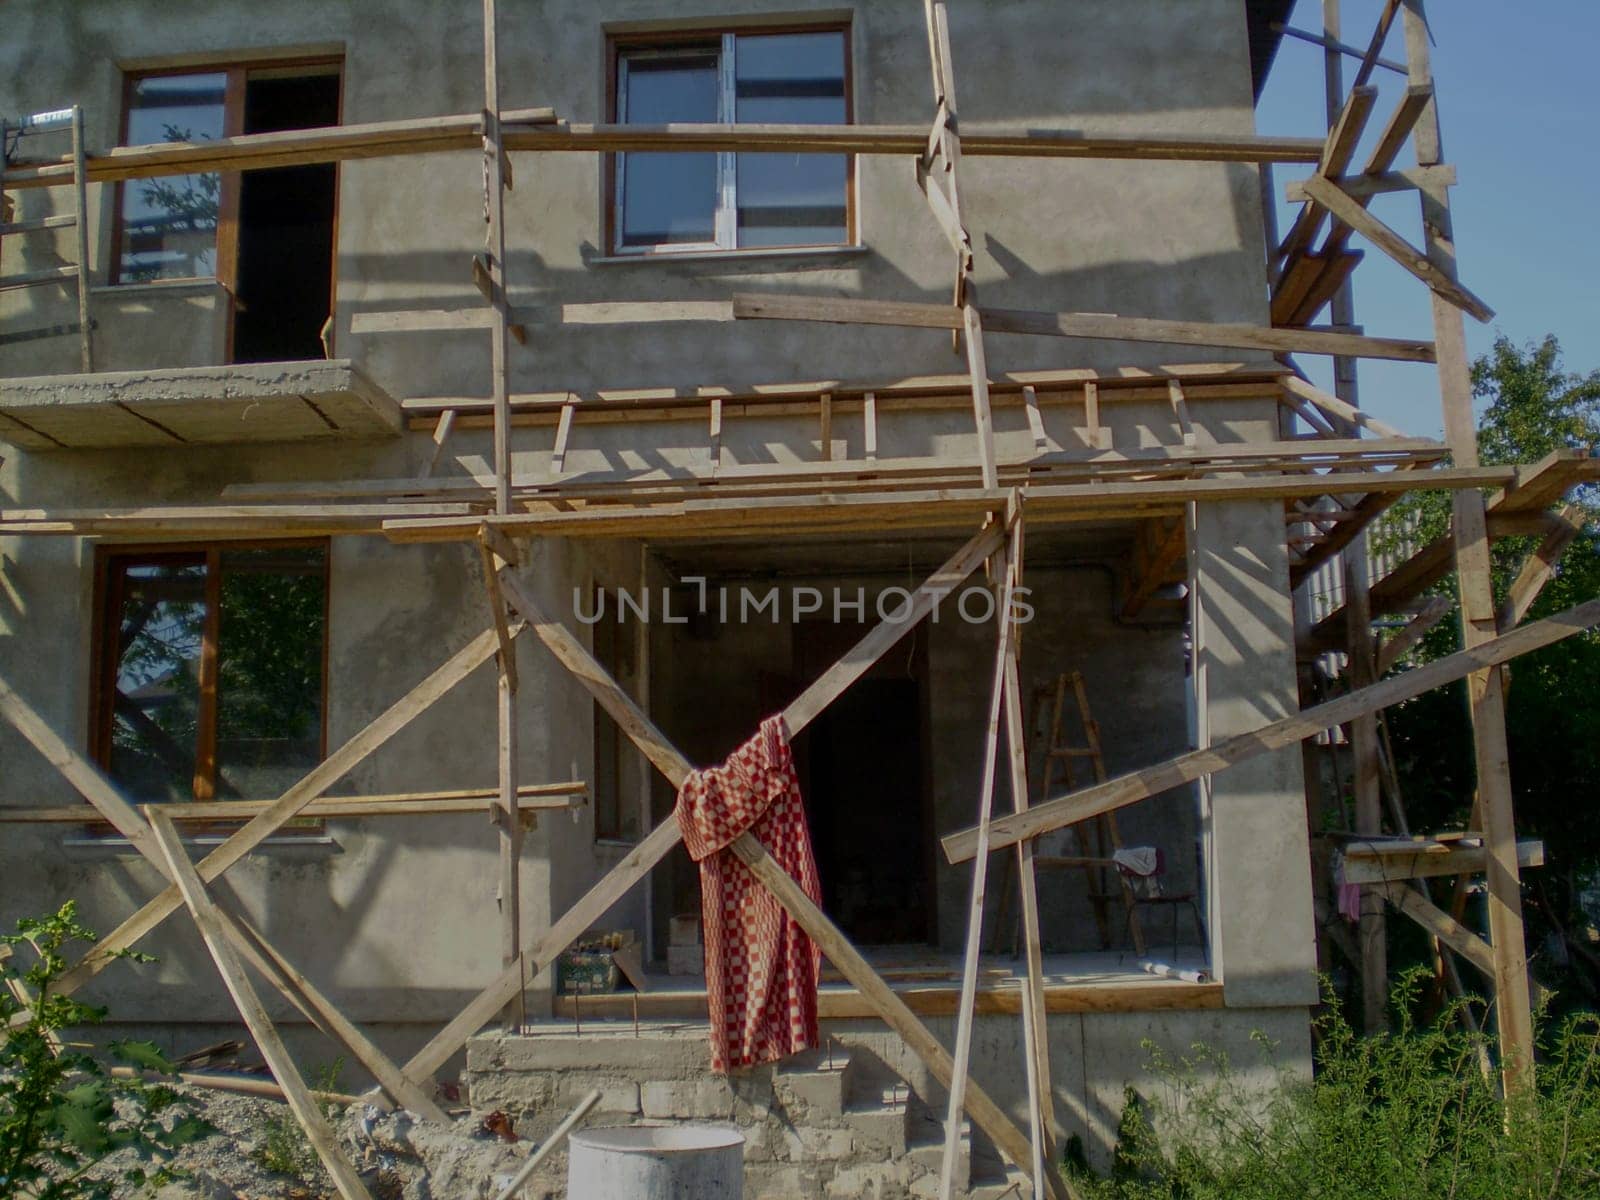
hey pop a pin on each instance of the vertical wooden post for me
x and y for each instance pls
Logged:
(1004, 570)
(1373, 929)
(1485, 689)
(494, 180)
(1036, 1020)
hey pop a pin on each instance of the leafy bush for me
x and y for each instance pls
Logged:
(1415, 1115)
(284, 1147)
(61, 1112)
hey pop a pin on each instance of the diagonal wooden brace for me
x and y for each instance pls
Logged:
(1351, 212)
(1185, 768)
(317, 1130)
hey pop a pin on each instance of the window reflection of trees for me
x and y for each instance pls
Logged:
(259, 703)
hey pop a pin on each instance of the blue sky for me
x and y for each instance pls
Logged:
(1521, 121)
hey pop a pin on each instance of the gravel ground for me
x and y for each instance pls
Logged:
(400, 1157)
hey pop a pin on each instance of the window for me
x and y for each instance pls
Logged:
(211, 670)
(265, 235)
(699, 201)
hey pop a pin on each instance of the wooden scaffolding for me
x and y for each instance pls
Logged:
(1332, 485)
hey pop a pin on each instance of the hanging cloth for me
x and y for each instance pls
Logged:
(761, 967)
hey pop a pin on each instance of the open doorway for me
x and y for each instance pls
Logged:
(284, 292)
(862, 772)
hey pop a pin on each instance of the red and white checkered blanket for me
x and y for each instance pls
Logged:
(761, 967)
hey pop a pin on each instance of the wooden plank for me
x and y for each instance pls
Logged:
(1331, 404)
(933, 508)
(1396, 247)
(340, 1027)
(1340, 148)
(1540, 567)
(1485, 689)
(1368, 863)
(421, 320)
(1185, 768)
(558, 454)
(1099, 436)
(1036, 1026)
(1396, 645)
(441, 435)
(506, 655)
(972, 326)
(1030, 400)
(531, 798)
(317, 1130)
(1398, 129)
(290, 805)
(889, 1007)
(749, 306)
(1441, 925)
(1003, 565)
(995, 999)
(991, 141)
(666, 758)
(254, 151)
(1180, 412)
(1270, 456)
(1365, 186)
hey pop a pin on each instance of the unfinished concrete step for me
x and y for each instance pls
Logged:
(814, 1087)
(927, 1153)
(879, 1124)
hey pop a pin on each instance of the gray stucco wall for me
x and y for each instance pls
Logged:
(1179, 240)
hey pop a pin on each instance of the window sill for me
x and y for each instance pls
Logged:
(198, 284)
(318, 845)
(730, 257)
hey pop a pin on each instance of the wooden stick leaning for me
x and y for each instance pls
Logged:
(1005, 570)
(1185, 768)
(550, 1145)
(189, 884)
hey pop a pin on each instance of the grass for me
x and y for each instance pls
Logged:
(1412, 1115)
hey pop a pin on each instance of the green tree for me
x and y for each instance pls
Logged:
(1532, 406)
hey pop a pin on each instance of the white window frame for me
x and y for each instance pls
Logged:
(726, 217)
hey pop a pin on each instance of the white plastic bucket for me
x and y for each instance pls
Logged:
(668, 1162)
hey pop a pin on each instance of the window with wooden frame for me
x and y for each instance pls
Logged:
(695, 202)
(210, 669)
(267, 236)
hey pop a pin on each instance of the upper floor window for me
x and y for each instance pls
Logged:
(211, 669)
(265, 235)
(168, 226)
(700, 201)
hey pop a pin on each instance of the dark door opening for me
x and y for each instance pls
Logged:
(861, 771)
(286, 221)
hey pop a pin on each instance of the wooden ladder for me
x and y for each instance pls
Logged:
(11, 135)
(1095, 840)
